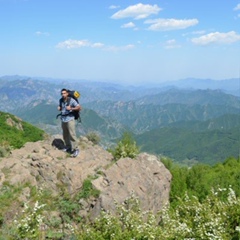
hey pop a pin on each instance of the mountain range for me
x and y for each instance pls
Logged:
(190, 120)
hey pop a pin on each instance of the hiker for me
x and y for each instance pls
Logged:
(68, 105)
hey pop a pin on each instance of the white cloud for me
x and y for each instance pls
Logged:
(97, 45)
(162, 24)
(70, 43)
(114, 7)
(217, 37)
(237, 7)
(138, 11)
(128, 25)
(39, 33)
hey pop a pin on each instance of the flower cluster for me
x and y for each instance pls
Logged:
(31, 220)
(212, 218)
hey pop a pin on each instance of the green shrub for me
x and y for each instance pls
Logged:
(211, 219)
(215, 217)
(88, 190)
(3, 151)
(128, 223)
(126, 147)
(28, 226)
(69, 206)
(93, 137)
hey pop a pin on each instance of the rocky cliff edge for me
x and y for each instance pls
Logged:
(44, 165)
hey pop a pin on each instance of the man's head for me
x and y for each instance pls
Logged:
(64, 93)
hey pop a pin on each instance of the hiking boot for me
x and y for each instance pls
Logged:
(75, 153)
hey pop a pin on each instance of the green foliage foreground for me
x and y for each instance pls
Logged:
(211, 219)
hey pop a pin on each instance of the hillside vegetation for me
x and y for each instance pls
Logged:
(186, 144)
(204, 204)
(14, 133)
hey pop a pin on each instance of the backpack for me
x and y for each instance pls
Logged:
(75, 95)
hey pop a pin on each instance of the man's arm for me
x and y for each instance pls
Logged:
(74, 106)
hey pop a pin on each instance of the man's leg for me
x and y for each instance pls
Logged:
(72, 134)
(66, 135)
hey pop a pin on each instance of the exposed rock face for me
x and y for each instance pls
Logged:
(45, 166)
(146, 177)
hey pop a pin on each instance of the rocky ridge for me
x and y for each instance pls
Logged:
(44, 165)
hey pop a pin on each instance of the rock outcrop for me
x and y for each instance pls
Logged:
(44, 165)
(145, 177)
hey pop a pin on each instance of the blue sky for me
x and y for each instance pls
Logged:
(120, 41)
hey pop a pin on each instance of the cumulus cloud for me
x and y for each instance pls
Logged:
(162, 24)
(137, 11)
(217, 37)
(128, 25)
(70, 43)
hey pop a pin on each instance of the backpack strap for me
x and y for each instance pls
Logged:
(68, 101)
(60, 103)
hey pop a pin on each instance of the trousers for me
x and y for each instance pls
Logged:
(69, 134)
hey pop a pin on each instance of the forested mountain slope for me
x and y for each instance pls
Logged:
(187, 146)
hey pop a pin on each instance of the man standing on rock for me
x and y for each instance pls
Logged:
(66, 106)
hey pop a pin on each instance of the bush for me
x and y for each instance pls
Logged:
(93, 137)
(209, 220)
(213, 218)
(126, 147)
(128, 223)
(28, 226)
